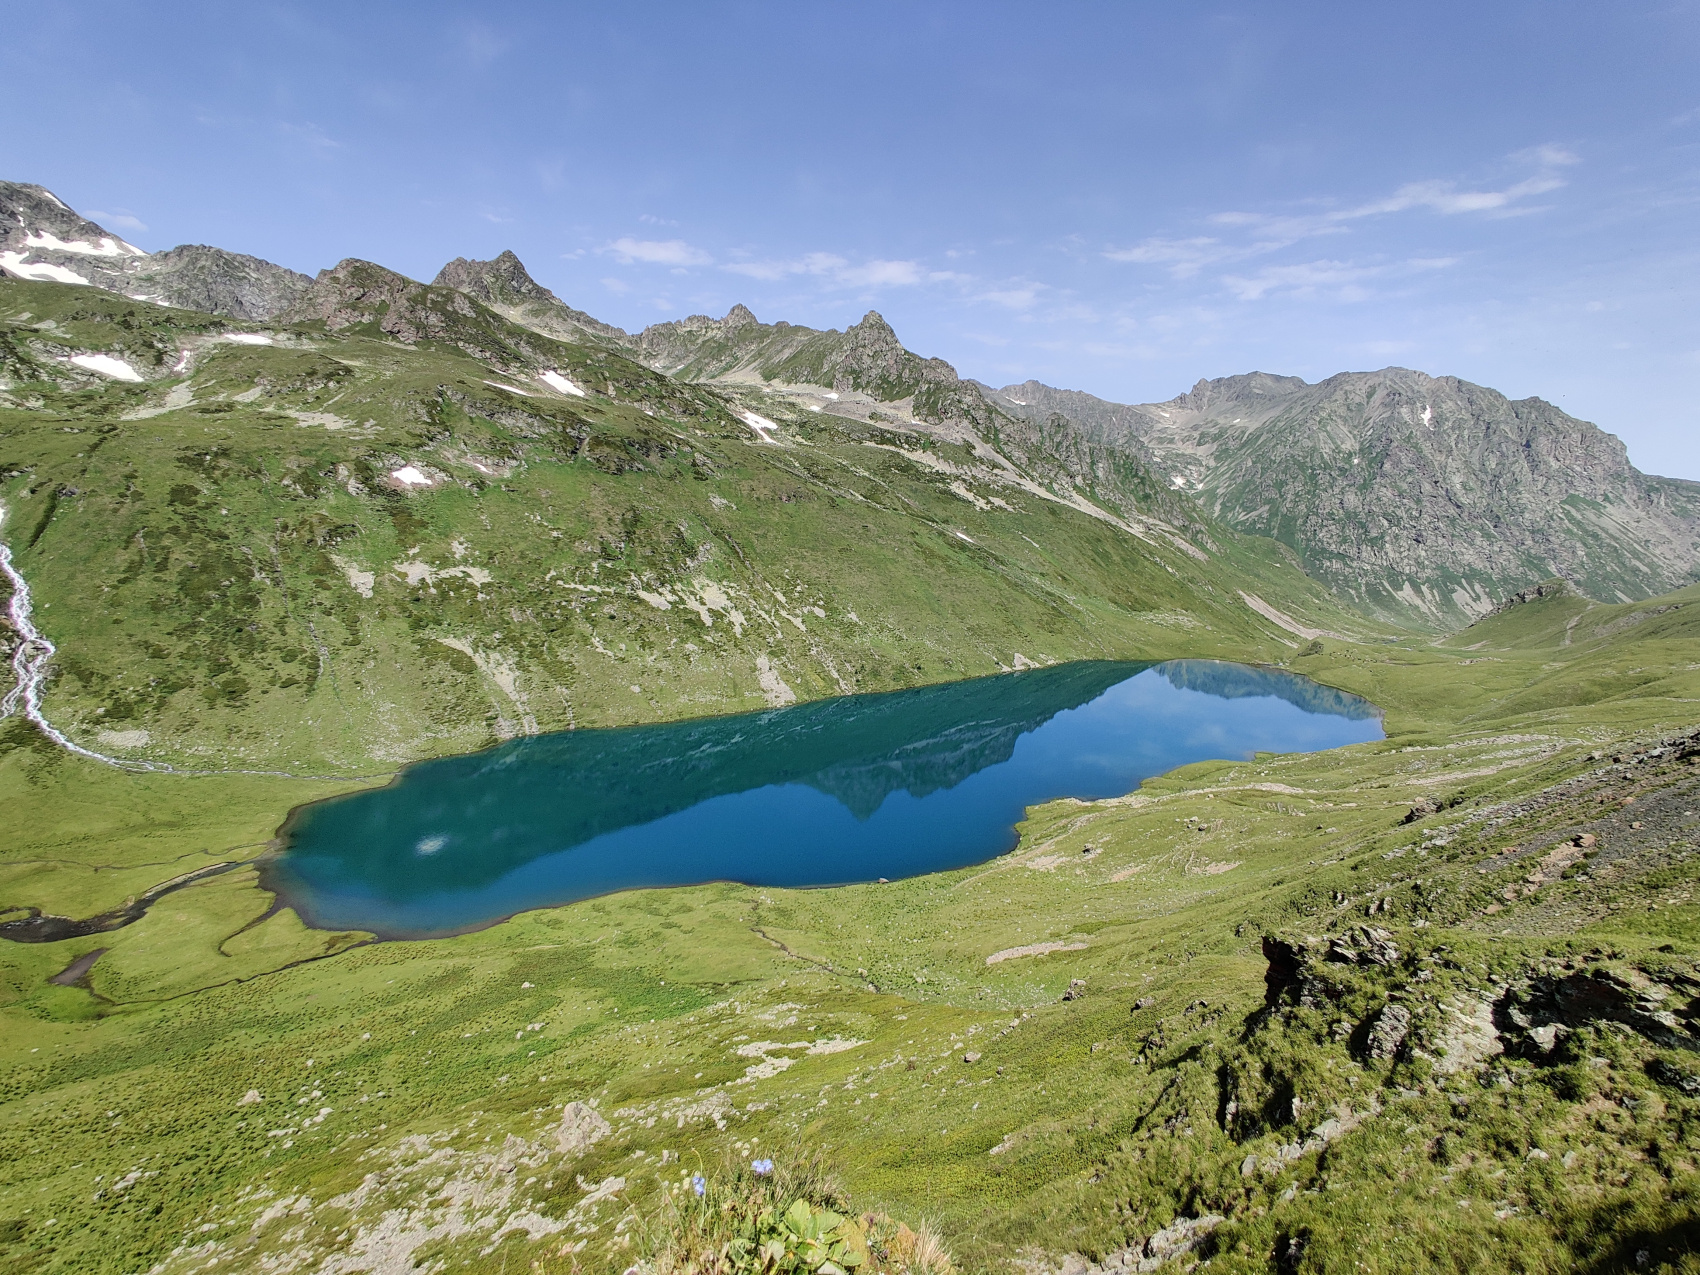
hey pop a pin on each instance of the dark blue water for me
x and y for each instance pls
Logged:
(842, 790)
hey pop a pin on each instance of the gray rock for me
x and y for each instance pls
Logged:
(581, 1128)
(1388, 1029)
(196, 277)
(507, 287)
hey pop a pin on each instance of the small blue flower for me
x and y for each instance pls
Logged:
(699, 1185)
(762, 1167)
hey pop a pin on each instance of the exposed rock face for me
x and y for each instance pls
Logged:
(1365, 945)
(43, 239)
(1550, 1006)
(356, 292)
(1422, 499)
(868, 358)
(197, 277)
(506, 287)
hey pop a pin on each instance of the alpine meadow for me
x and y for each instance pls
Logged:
(485, 790)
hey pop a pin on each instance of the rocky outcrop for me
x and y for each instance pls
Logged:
(197, 277)
(1388, 1028)
(1422, 499)
(1174, 1241)
(581, 1128)
(1542, 1011)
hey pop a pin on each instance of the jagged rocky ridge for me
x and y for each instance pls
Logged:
(1417, 498)
(868, 360)
(43, 239)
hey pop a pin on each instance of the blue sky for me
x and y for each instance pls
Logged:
(1120, 198)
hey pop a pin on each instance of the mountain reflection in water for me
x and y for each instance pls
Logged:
(840, 790)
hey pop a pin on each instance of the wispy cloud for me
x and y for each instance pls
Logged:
(122, 220)
(309, 134)
(479, 44)
(659, 252)
(1344, 280)
(1018, 297)
(1184, 257)
(839, 271)
(1245, 235)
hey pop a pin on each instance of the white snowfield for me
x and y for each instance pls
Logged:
(248, 338)
(761, 425)
(409, 476)
(106, 365)
(511, 389)
(107, 247)
(45, 272)
(555, 381)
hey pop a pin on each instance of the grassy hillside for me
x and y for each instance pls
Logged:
(226, 1084)
(232, 571)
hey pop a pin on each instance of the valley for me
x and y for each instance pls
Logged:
(1425, 1000)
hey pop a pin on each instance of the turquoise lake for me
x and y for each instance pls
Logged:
(827, 793)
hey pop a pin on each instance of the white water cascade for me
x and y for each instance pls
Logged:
(29, 665)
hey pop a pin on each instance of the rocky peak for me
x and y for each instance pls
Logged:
(503, 279)
(43, 238)
(739, 316)
(355, 291)
(199, 277)
(506, 286)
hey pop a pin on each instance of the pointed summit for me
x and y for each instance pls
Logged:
(503, 280)
(506, 286)
(739, 316)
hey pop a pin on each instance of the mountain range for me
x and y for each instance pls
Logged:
(1419, 501)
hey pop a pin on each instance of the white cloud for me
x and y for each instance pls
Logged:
(1269, 232)
(1343, 279)
(837, 270)
(619, 287)
(876, 274)
(309, 134)
(1184, 257)
(120, 219)
(1017, 298)
(660, 252)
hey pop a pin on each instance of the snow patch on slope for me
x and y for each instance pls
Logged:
(555, 381)
(106, 365)
(42, 271)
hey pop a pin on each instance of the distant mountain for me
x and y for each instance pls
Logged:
(505, 286)
(1417, 499)
(41, 238)
(1414, 497)
(869, 362)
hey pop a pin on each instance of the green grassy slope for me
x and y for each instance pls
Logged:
(229, 568)
(406, 1098)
